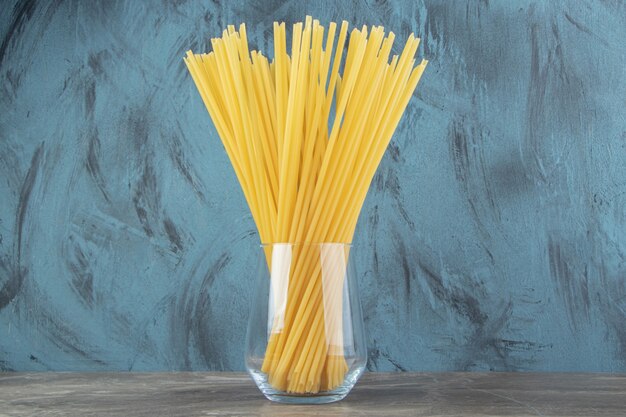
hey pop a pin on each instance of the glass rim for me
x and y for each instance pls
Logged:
(266, 245)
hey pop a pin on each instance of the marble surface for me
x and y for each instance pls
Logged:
(377, 394)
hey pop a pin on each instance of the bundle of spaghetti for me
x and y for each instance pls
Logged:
(304, 140)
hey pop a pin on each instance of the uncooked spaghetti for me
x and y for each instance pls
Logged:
(305, 135)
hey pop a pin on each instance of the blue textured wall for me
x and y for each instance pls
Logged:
(493, 237)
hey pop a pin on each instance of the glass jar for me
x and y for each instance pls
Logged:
(306, 339)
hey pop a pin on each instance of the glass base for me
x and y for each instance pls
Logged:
(322, 397)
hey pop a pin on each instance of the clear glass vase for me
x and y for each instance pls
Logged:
(306, 339)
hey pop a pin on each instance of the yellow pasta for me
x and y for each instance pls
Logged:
(305, 174)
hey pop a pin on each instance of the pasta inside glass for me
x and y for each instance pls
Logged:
(305, 134)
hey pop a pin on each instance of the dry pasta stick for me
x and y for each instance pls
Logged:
(304, 173)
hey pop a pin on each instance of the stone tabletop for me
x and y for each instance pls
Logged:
(376, 394)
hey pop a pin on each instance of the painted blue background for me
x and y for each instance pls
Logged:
(493, 237)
